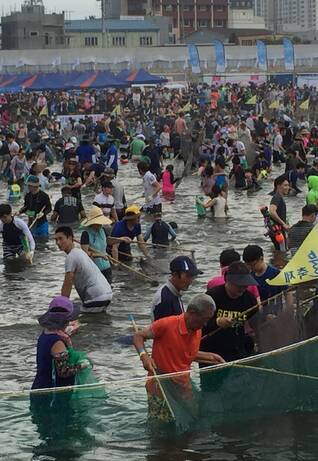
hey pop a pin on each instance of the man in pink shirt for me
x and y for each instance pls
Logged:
(227, 257)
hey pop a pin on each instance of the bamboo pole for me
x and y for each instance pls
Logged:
(37, 217)
(157, 245)
(155, 374)
(114, 261)
(251, 309)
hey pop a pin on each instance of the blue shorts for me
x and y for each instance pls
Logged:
(41, 231)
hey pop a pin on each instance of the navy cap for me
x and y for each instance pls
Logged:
(184, 264)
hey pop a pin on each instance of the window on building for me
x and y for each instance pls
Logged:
(91, 41)
(188, 22)
(34, 33)
(145, 41)
(46, 39)
(203, 23)
(168, 8)
(219, 23)
(119, 41)
(203, 7)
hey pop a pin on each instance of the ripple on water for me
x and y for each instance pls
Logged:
(118, 430)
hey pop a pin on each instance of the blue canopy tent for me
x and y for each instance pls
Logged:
(106, 79)
(142, 77)
(13, 83)
(123, 74)
(53, 81)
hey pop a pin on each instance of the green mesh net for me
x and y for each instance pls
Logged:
(276, 382)
(84, 377)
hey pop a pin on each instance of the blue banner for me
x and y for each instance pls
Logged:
(194, 58)
(219, 56)
(289, 54)
(261, 54)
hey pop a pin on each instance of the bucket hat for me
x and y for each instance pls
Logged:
(61, 311)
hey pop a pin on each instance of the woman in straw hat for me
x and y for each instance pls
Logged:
(94, 240)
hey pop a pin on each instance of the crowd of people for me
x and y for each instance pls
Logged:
(219, 139)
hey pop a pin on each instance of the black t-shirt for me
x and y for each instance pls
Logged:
(68, 209)
(281, 206)
(230, 343)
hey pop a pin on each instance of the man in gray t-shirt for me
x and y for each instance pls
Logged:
(80, 271)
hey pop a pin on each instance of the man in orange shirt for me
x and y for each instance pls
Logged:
(176, 345)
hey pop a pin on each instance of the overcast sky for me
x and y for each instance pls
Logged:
(76, 8)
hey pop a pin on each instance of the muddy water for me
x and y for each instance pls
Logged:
(119, 429)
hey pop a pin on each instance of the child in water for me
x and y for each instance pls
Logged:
(168, 183)
(217, 203)
(238, 173)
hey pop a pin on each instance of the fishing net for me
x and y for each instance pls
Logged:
(84, 377)
(272, 383)
(283, 377)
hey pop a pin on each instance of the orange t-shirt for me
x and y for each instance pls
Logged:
(174, 348)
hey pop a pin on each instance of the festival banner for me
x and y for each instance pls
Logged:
(194, 58)
(219, 56)
(303, 267)
(251, 101)
(289, 54)
(261, 54)
(304, 105)
(116, 111)
(186, 108)
(274, 105)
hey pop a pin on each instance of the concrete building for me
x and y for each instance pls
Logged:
(241, 4)
(115, 8)
(189, 16)
(32, 28)
(240, 18)
(132, 33)
(288, 16)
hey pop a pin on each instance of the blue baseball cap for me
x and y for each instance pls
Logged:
(184, 264)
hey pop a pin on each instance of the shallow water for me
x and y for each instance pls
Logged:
(118, 429)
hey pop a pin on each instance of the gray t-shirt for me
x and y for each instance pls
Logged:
(89, 282)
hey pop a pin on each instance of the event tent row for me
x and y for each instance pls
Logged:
(13, 83)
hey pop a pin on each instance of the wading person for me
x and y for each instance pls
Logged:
(167, 300)
(53, 368)
(232, 300)
(94, 240)
(68, 209)
(124, 232)
(80, 271)
(176, 344)
(278, 210)
(14, 231)
(37, 206)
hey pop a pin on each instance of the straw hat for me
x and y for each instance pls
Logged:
(96, 216)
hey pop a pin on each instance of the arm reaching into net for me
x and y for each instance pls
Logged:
(209, 357)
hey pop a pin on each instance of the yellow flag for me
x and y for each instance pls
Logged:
(274, 105)
(304, 105)
(186, 108)
(44, 111)
(252, 100)
(116, 110)
(303, 267)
